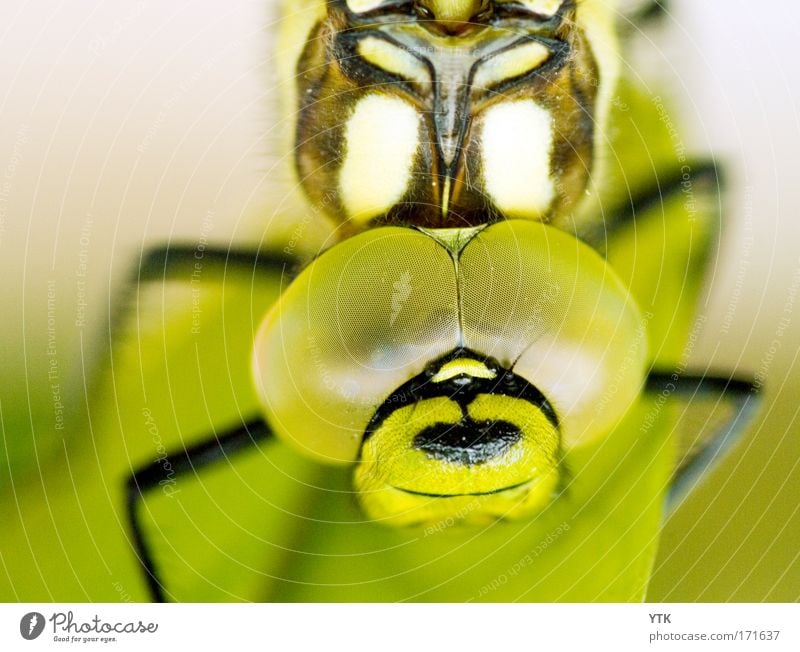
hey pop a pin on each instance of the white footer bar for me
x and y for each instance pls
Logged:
(399, 627)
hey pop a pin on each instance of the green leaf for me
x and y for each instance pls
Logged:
(265, 524)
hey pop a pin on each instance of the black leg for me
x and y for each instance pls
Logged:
(645, 13)
(163, 472)
(181, 262)
(702, 175)
(178, 261)
(742, 397)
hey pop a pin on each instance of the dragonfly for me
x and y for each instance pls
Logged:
(480, 386)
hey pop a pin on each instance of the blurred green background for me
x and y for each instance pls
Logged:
(129, 123)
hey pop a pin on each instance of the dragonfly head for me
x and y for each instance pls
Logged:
(458, 368)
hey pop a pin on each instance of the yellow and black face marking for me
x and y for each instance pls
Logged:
(466, 435)
(449, 113)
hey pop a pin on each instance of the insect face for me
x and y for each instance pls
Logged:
(465, 436)
(451, 365)
(448, 113)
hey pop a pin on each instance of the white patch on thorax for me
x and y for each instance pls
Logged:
(381, 140)
(362, 6)
(517, 142)
(545, 8)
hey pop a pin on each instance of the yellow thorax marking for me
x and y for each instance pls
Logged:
(514, 63)
(393, 59)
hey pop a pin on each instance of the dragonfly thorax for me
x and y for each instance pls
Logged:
(404, 122)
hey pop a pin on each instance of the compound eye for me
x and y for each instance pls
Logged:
(361, 320)
(548, 307)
